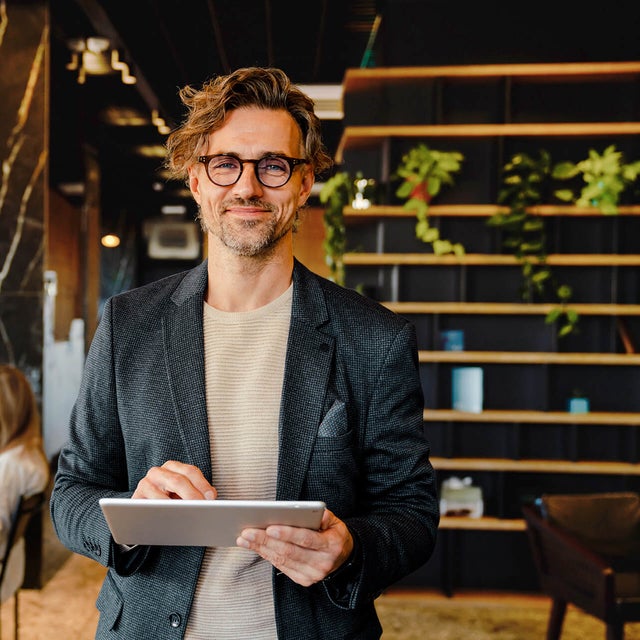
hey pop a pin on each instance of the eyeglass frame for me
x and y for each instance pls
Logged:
(292, 162)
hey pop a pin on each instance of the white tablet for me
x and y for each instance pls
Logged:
(201, 523)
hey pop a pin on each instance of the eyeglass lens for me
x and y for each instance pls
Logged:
(271, 171)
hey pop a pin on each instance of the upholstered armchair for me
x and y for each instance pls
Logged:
(586, 549)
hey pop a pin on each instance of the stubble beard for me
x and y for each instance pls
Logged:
(246, 238)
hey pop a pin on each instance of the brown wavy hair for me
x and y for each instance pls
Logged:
(265, 88)
(19, 414)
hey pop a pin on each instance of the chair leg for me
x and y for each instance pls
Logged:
(615, 630)
(556, 618)
(16, 611)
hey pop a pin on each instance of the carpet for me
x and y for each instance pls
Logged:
(410, 618)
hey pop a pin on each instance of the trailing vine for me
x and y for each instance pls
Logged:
(424, 171)
(336, 193)
(527, 182)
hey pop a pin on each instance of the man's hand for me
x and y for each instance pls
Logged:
(305, 555)
(175, 480)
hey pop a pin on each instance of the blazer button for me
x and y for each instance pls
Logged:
(175, 620)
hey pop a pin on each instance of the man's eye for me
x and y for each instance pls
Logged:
(224, 163)
(273, 165)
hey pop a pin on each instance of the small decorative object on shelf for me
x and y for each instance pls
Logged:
(364, 196)
(339, 190)
(458, 497)
(467, 389)
(452, 340)
(578, 403)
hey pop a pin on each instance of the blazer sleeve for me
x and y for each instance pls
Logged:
(92, 464)
(397, 522)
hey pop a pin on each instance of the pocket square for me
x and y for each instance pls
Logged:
(335, 422)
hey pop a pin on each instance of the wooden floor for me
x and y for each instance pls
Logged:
(64, 608)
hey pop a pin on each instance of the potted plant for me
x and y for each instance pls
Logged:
(424, 172)
(605, 178)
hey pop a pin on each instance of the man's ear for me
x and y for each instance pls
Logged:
(194, 183)
(305, 187)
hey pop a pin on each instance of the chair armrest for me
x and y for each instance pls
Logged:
(567, 569)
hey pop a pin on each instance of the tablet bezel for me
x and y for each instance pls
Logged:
(208, 523)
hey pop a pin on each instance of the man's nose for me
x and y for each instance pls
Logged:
(248, 184)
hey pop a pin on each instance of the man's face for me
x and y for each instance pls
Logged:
(248, 218)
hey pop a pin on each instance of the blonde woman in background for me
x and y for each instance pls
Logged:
(23, 465)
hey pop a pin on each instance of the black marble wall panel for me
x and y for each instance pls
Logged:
(23, 154)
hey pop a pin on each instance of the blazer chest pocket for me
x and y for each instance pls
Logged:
(332, 469)
(334, 433)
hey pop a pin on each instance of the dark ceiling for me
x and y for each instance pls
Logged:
(168, 44)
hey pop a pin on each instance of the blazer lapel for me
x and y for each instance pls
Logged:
(307, 369)
(183, 340)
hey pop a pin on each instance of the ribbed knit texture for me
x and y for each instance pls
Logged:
(244, 370)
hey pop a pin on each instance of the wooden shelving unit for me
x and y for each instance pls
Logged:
(596, 72)
(479, 259)
(530, 357)
(490, 416)
(536, 466)
(482, 524)
(476, 210)
(362, 136)
(509, 308)
(524, 443)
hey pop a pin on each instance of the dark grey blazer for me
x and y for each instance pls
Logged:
(351, 434)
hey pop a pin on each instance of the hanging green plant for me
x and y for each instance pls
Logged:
(337, 192)
(527, 182)
(424, 171)
(605, 176)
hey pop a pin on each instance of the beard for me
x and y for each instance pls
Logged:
(247, 238)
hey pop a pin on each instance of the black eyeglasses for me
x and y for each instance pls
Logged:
(271, 171)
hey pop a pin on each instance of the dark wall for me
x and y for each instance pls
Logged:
(450, 32)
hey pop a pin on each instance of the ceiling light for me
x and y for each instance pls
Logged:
(160, 123)
(327, 99)
(150, 150)
(173, 209)
(110, 240)
(123, 117)
(94, 57)
(72, 188)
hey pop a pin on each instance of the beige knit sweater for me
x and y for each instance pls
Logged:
(244, 369)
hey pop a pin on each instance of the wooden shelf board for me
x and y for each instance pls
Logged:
(530, 357)
(360, 136)
(477, 210)
(480, 259)
(533, 417)
(357, 79)
(508, 308)
(535, 466)
(485, 523)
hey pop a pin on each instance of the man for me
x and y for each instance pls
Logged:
(249, 377)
